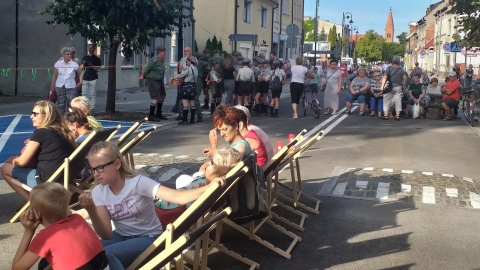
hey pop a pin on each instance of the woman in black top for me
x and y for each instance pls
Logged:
(398, 78)
(51, 143)
(229, 80)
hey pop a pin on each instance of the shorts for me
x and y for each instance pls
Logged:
(296, 91)
(188, 91)
(314, 88)
(276, 92)
(25, 175)
(156, 88)
(244, 88)
(263, 89)
(451, 102)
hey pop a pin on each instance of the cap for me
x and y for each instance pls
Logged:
(239, 58)
(192, 59)
(246, 60)
(452, 74)
(160, 49)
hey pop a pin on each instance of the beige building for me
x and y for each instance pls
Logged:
(250, 26)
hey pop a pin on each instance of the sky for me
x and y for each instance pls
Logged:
(371, 14)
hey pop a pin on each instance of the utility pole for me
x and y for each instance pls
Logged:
(315, 34)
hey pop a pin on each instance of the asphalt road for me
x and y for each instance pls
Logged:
(351, 232)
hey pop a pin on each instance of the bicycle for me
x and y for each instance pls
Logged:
(468, 105)
(310, 102)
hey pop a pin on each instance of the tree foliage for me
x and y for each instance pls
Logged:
(308, 29)
(332, 36)
(402, 39)
(370, 46)
(469, 21)
(391, 49)
(322, 36)
(114, 23)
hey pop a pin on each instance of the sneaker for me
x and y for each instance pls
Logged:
(161, 116)
(153, 118)
(182, 123)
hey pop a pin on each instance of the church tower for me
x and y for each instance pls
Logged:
(389, 29)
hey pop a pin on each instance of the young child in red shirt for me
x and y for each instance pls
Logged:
(67, 242)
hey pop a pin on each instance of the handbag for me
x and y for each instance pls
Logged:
(416, 110)
(388, 87)
(187, 90)
(52, 96)
(324, 86)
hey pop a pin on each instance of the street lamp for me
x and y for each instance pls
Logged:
(315, 34)
(354, 44)
(345, 15)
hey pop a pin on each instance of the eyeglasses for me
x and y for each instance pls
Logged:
(100, 168)
(68, 54)
(35, 114)
(377, 76)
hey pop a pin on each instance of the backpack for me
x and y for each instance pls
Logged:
(275, 82)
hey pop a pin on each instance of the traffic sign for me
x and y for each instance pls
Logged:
(448, 39)
(456, 47)
(431, 49)
(447, 47)
(456, 36)
(422, 52)
(292, 30)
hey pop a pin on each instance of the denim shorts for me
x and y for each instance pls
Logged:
(25, 175)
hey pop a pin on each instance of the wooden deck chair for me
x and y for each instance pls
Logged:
(175, 249)
(127, 149)
(190, 217)
(72, 166)
(255, 225)
(296, 180)
(123, 139)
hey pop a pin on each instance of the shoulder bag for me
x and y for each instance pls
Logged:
(387, 88)
(325, 83)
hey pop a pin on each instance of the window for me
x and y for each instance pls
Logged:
(285, 6)
(247, 11)
(264, 17)
(275, 16)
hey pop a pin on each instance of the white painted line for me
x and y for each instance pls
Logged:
(452, 192)
(168, 174)
(136, 154)
(332, 180)
(406, 188)
(382, 190)
(407, 171)
(474, 199)
(321, 125)
(361, 184)
(428, 195)
(427, 173)
(468, 179)
(350, 169)
(201, 158)
(154, 168)
(339, 120)
(368, 169)
(10, 115)
(152, 154)
(387, 170)
(166, 155)
(6, 135)
(447, 175)
(182, 157)
(140, 166)
(340, 189)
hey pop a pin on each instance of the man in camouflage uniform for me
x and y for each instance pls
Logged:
(201, 84)
(205, 57)
(154, 72)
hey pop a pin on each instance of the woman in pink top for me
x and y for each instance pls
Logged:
(253, 139)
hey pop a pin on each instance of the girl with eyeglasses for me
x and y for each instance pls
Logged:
(50, 144)
(126, 199)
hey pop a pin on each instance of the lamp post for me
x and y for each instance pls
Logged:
(345, 15)
(315, 31)
(354, 43)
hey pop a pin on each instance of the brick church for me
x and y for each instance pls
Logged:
(389, 29)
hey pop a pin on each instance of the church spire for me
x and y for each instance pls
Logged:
(389, 28)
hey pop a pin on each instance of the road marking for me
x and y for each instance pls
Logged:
(407, 171)
(340, 189)
(427, 173)
(382, 190)
(387, 170)
(332, 180)
(468, 179)
(474, 199)
(168, 174)
(362, 184)
(330, 119)
(368, 169)
(452, 192)
(447, 175)
(152, 154)
(154, 169)
(8, 132)
(428, 195)
(350, 169)
(182, 157)
(406, 188)
(166, 155)
(140, 166)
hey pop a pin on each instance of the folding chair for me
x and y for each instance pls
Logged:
(175, 249)
(72, 166)
(296, 180)
(127, 149)
(123, 139)
(191, 216)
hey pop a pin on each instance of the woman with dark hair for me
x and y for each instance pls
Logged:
(229, 80)
(298, 83)
(359, 89)
(398, 79)
(188, 90)
(78, 124)
(50, 144)
(277, 79)
(333, 79)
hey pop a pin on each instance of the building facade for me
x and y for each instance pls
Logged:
(389, 28)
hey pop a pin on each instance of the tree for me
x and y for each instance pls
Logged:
(332, 36)
(308, 29)
(402, 39)
(114, 23)
(220, 46)
(390, 49)
(196, 47)
(209, 45)
(370, 47)
(214, 43)
(322, 36)
(469, 21)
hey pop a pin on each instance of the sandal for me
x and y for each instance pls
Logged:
(397, 118)
(361, 114)
(372, 114)
(347, 112)
(385, 117)
(447, 118)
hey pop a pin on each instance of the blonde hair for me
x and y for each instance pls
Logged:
(51, 200)
(110, 150)
(299, 61)
(83, 103)
(226, 156)
(54, 119)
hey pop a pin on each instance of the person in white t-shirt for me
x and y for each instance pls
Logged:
(126, 200)
(298, 83)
